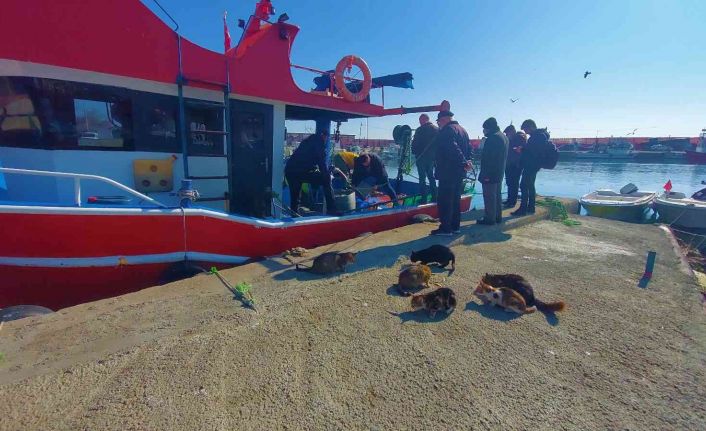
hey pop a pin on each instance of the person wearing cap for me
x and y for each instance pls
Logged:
(492, 171)
(424, 150)
(308, 165)
(513, 170)
(531, 162)
(453, 153)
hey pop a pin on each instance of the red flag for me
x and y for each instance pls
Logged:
(226, 33)
(668, 186)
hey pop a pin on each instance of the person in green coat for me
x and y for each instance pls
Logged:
(492, 171)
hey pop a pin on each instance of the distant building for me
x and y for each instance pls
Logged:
(346, 141)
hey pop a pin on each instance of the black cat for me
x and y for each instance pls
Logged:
(439, 254)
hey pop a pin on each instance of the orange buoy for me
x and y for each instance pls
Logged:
(347, 63)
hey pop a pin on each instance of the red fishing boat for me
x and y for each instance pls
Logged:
(105, 109)
(698, 155)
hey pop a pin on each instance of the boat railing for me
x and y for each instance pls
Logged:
(77, 183)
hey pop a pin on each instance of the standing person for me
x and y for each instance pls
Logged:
(302, 168)
(453, 153)
(492, 170)
(513, 170)
(424, 150)
(531, 162)
(370, 168)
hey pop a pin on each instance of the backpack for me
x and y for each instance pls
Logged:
(550, 157)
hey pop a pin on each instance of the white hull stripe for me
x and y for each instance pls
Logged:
(104, 261)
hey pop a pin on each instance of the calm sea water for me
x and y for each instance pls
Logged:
(575, 179)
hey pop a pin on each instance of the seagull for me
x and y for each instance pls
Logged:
(633, 132)
(585, 74)
(514, 100)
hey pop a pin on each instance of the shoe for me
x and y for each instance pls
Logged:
(519, 213)
(439, 232)
(485, 222)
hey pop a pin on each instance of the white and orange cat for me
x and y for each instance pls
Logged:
(503, 297)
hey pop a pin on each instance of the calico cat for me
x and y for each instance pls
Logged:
(442, 299)
(412, 278)
(520, 285)
(328, 263)
(439, 254)
(503, 297)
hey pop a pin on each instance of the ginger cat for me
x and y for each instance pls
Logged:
(504, 297)
(412, 278)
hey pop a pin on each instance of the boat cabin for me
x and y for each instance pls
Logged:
(83, 92)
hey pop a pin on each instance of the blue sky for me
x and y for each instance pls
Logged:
(647, 58)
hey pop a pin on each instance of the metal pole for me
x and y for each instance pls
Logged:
(77, 191)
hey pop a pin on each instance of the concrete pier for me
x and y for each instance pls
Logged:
(326, 353)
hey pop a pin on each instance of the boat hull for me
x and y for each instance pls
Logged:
(58, 257)
(632, 213)
(696, 157)
(692, 217)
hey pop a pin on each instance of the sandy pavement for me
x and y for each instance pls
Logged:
(324, 353)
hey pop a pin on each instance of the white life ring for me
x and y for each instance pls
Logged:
(346, 63)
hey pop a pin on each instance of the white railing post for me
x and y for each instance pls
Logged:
(77, 191)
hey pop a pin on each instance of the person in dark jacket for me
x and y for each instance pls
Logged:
(370, 169)
(424, 150)
(453, 153)
(531, 163)
(492, 171)
(308, 165)
(513, 170)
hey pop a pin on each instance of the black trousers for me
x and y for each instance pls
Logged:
(512, 179)
(529, 194)
(449, 204)
(315, 178)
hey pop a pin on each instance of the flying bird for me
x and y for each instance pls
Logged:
(514, 100)
(585, 74)
(633, 132)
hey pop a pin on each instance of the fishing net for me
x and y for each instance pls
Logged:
(557, 211)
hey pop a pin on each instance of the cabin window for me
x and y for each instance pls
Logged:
(102, 117)
(100, 123)
(156, 123)
(204, 128)
(20, 123)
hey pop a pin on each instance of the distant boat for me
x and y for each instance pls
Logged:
(675, 208)
(619, 149)
(626, 205)
(698, 156)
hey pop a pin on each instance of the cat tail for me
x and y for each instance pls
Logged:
(549, 307)
(302, 268)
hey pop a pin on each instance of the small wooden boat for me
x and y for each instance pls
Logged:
(675, 208)
(626, 205)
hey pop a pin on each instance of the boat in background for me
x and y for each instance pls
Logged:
(628, 204)
(698, 155)
(675, 208)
